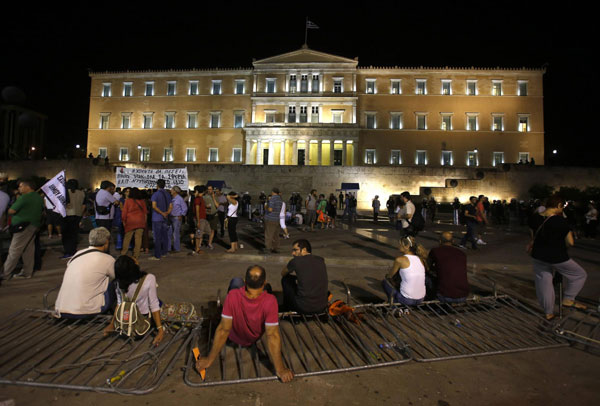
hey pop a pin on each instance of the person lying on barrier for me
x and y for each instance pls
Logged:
(248, 312)
(448, 269)
(128, 275)
(305, 292)
(405, 283)
(86, 288)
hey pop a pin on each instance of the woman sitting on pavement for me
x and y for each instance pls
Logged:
(406, 281)
(128, 274)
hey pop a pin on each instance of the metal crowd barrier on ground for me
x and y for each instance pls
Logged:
(40, 350)
(581, 328)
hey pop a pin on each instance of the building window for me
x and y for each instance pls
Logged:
(104, 121)
(171, 88)
(123, 154)
(291, 114)
(304, 83)
(396, 121)
(497, 122)
(125, 120)
(371, 86)
(446, 87)
(216, 87)
(315, 114)
(338, 85)
(269, 116)
(337, 116)
(149, 89)
(496, 88)
(370, 158)
(447, 159)
(421, 157)
(168, 154)
(190, 155)
(170, 119)
(292, 84)
(192, 120)
(316, 84)
(271, 85)
(522, 87)
(498, 158)
(238, 119)
(215, 120)
(102, 152)
(395, 157)
(421, 86)
(421, 121)
(471, 87)
(472, 122)
(523, 157)
(193, 91)
(371, 120)
(144, 154)
(472, 159)
(236, 155)
(303, 114)
(148, 120)
(106, 89)
(523, 123)
(213, 155)
(396, 86)
(240, 86)
(127, 89)
(446, 122)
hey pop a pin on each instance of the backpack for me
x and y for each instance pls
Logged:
(417, 222)
(128, 319)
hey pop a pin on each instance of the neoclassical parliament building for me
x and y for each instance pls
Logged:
(312, 108)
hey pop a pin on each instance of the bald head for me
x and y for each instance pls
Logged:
(446, 237)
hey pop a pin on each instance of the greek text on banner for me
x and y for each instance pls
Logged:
(146, 178)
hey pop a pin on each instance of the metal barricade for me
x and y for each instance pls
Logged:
(581, 328)
(40, 350)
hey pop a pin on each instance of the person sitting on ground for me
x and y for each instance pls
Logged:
(449, 266)
(128, 274)
(305, 292)
(405, 283)
(248, 312)
(86, 288)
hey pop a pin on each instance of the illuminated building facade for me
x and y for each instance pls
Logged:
(311, 108)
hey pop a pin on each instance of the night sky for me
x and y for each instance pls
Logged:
(48, 50)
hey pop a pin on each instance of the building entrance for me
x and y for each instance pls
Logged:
(337, 157)
(301, 155)
(266, 156)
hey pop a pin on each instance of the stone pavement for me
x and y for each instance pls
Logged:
(357, 255)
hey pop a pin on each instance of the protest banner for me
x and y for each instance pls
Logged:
(56, 191)
(146, 178)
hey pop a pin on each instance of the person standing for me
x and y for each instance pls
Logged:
(26, 212)
(210, 201)
(273, 210)
(75, 210)
(177, 214)
(161, 208)
(105, 204)
(311, 210)
(406, 213)
(591, 220)
(232, 219)
(134, 215)
(341, 200)
(53, 219)
(456, 211)
(332, 209)
(376, 205)
(322, 211)
(222, 209)
(481, 219)
(470, 216)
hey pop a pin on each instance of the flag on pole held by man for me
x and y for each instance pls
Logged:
(56, 191)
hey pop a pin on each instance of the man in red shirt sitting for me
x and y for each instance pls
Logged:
(248, 312)
(448, 265)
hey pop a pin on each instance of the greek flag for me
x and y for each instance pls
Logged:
(311, 25)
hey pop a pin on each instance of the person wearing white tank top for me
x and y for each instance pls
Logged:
(406, 281)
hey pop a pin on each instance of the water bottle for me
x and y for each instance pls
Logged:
(457, 323)
(387, 344)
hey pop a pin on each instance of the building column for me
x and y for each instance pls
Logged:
(320, 154)
(331, 153)
(253, 112)
(271, 153)
(295, 153)
(307, 152)
(282, 153)
(248, 149)
(344, 153)
(259, 153)
(354, 153)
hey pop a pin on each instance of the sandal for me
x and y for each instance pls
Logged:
(574, 304)
(550, 317)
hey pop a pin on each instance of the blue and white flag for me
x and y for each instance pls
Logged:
(56, 191)
(310, 24)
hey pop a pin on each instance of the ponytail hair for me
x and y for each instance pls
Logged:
(416, 249)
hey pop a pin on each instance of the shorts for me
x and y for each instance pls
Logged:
(203, 227)
(213, 220)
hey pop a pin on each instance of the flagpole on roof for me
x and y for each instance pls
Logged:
(306, 32)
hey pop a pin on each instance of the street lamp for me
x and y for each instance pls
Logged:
(554, 151)
(77, 146)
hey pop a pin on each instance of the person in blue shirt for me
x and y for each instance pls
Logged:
(161, 208)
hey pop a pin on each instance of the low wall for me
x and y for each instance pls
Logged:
(510, 181)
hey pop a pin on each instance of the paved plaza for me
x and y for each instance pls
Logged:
(357, 256)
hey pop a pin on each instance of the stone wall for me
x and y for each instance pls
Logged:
(501, 183)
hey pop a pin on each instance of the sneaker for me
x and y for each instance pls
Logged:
(21, 275)
(481, 242)
(210, 246)
(153, 258)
